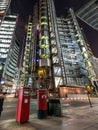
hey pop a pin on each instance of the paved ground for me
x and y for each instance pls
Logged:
(77, 115)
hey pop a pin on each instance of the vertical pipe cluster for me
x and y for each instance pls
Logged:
(35, 40)
(44, 51)
(26, 62)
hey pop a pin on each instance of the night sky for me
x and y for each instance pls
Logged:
(25, 7)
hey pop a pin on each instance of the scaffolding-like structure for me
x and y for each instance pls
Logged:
(57, 49)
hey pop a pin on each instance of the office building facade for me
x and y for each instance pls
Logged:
(9, 47)
(89, 13)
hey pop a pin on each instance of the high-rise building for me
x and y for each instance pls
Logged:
(55, 51)
(4, 7)
(89, 13)
(9, 46)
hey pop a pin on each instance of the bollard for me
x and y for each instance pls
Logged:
(1, 104)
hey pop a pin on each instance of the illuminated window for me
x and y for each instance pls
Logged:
(5, 45)
(5, 36)
(5, 41)
(3, 55)
(3, 50)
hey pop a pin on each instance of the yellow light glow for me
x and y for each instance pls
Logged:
(41, 72)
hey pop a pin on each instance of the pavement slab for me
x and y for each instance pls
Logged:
(75, 117)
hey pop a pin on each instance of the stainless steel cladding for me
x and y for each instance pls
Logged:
(44, 51)
(44, 62)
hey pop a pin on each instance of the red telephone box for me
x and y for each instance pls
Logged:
(23, 105)
(42, 103)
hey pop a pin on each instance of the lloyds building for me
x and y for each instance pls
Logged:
(55, 51)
